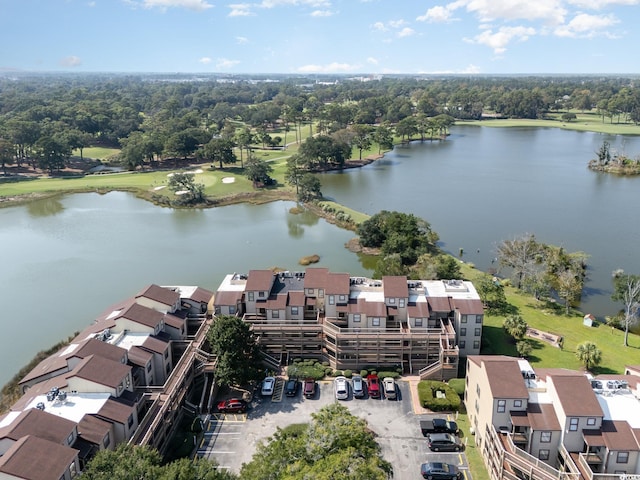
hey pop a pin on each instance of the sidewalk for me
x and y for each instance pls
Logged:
(413, 381)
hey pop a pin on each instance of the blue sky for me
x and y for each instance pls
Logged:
(321, 36)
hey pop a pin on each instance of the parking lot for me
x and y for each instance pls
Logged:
(231, 439)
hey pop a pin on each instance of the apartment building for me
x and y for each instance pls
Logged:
(552, 423)
(354, 322)
(122, 379)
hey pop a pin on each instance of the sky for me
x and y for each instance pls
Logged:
(321, 36)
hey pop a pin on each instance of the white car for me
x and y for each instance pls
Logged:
(389, 387)
(342, 388)
(267, 386)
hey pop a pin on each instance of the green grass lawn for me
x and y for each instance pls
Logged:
(586, 122)
(549, 318)
(98, 153)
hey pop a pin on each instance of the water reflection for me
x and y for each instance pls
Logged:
(45, 207)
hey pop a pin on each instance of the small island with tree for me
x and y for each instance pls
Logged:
(613, 162)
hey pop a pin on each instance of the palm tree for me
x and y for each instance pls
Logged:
(515, 326)
(589, 354)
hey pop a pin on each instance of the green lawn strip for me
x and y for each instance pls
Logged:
(472, 452)
(99, 153)
(358, 217)
(543, 316)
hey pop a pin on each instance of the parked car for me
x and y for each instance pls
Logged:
(341, 387)
(439, 471)
(357, 384)
(389, 385)
(438, 425)
(291, 387)
(309, 388)
(374, 386)
(232, 405)
(444, 442)
(267, 386)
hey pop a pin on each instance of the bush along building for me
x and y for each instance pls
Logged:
(553, 423)
(125, 378)
(421, 326)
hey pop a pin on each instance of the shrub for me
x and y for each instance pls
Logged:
(328, 371)
(458, 385)
(305, 370)
(348, 373)
(392, 374)
(337, 373)
(427, 393)
(364, 373)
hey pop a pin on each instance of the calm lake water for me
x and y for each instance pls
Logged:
(64, 261)
(484, 185)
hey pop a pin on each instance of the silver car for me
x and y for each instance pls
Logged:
(389, 387)
(357, 384)
(341, 387)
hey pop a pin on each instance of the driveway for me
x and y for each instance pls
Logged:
(231, 439)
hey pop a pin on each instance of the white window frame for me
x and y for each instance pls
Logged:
(250, 296)
(502, 406)
(573, 424)
(356, 317)
(275, 313)
(591, 421)
(375, 322)
(622, 457)
(401, 303)
(545, 437)
(418, 322)
(517, 403)
(332, 300)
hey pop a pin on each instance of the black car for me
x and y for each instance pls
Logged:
(444, 442)
(439, 471)
(291, 387)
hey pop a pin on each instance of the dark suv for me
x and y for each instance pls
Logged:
(444, 442)
(291, 387)
(439, 471)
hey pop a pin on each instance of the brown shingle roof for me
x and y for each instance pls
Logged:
(375, 309)
(505, 378)
(100, 349)
(139, 357)
(142, 315)
(228, 298)
(154, 344)
(92, 429)
(338, 284)
(296, 299)
(41, 424)
(277, 302)
(173, 321)
(576, 396)
(160, 294)
(418, 310)
(101, 370)
(467, 306)
(440, 304)
(395, 287)
(618, 435)
(259, 280)
(316, 277)
(25, 459)
(542, 416)
(201, 295)
(115, 411)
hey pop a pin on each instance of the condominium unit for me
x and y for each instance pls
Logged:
(123, 379)
(549, 423)
(423, 326)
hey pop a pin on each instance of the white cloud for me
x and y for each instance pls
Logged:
(600, 4)
(334, 67)
(197, 5)
(205, 60)
(585, 25)
(242, 40)
(281, 3)
(406, 32)
(70, 61)
(91, 4)
(437, 14)
(499, 40)
(321, 13)
(226, 63)
(240, 10)
(372, 61)
(379, 26)
(547, 11)
(397, 23)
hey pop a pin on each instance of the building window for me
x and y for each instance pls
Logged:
(478, 318)
(130, 421)
(476, 344)
(309, 291)
(342, 298)
(168, 369)
(463, 319)
(392, 301)
(591, 421)
(217, 310)
(106, 441)
(275, 314)
(401, 303)
(478, 332)
(250, 296)
(332, 300)
(573, 424)
(149, 367)
(462, 345)
(375, 321)
(260, 294)
(321, 293)
(477, 406)
(70, 439)
(294, 310)
(543, 454)
(356, 317)
(478, 389)
(623, 457)
(232, 310)
(463, 332)
(517, 403)
(502, 406)
(418, 322)
(545, 437)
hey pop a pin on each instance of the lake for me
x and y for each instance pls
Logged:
(66, 260)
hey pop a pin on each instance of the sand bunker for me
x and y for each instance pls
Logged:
(160, 187)
(228, 179)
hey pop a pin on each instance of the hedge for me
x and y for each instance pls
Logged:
(427, 394)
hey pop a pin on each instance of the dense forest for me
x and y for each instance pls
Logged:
(43, 118)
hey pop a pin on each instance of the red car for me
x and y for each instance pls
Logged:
(233, 405)
(374, 386)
